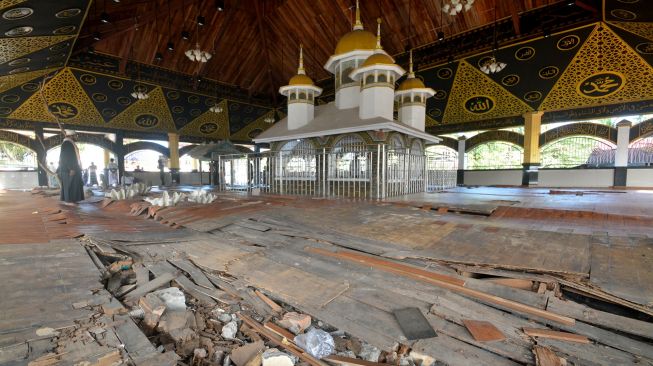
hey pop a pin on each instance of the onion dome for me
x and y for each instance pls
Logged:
(411, 81)
(357, 39)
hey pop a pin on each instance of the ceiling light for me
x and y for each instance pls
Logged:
(158, 56)
(453, 7)
(200, 20)
(185, 35)
(97, 36)
(171, 46)
(104, 17)
(441, 36)
(216, 108)
(116, 1)
(268, 120)
(198, 55)
(219, 5)
(492, 66)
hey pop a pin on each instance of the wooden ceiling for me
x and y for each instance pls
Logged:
(255, 42)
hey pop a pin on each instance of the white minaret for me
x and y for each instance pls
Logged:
(351, 51)
(376, 78)
(411, 97)
(301, 93)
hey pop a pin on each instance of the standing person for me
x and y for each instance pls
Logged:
(92, 174)
(52, 180)
(162, 175)
(113, 172)
(70, 172)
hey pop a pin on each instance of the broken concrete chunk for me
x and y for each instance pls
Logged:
(199, 353)
(173, 298)
(370, 353)
(229, 330)
(242, 355)
(46, 332)
(274, 357)
(295, 322)
(317, 343)
(224, 317)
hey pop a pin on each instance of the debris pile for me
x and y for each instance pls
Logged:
(126, 193)
(203, 319)
(166, 200)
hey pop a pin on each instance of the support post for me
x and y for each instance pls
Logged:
(621, 155)
(120, 154)
(531, 163)
(460, 173)
(173, 165)
(41, 157)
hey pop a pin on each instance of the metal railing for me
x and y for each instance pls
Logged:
(371, 173)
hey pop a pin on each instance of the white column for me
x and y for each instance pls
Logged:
(623, 140)
(461, 152)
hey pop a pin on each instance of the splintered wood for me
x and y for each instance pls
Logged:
(483, 331)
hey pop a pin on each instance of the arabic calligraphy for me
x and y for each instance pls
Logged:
(208, 128)
(548, 72)
(645, 48)
(568, 43)
(10, 98)
(435, 112)
(253, 133)
(63, 110)
(440, 94)
(601, 85)
(510, 80)
(445, 73)
(115, 84)
(623, 14)
(479, 104)
(580, 129)
(525, 53)
(533, 96)
(146, 120)
(87, 79)
(5, 111)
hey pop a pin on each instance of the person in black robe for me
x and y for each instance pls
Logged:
(70, 172)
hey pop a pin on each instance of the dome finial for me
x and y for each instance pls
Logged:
(411, 74)
(358, 25)
(378, 34)
(300, 69)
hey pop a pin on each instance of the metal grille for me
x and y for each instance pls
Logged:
(640, 152)
(441, 168)
(577, 151)
(495, 155)
(351, 170)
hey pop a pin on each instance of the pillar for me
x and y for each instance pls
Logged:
(173, 165)
(460, 176)
(107, 157)
(41, 157)
(621, 155)
(531, 163)
(120, 154)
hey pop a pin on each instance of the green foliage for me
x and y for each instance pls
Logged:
(14, 156)
(495, 155)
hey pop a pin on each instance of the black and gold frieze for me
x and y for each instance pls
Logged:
(37, 35)
(496, 135)
(213, 125)
(579, 129)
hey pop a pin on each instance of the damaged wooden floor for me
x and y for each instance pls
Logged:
(351, 265)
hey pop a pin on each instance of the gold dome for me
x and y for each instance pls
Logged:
(378, 59)
(357, 39)
(300, 79)
(411, 83)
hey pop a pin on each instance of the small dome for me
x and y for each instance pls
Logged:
(357, 39)
(300, 80)
(378, 59)
(411, 83)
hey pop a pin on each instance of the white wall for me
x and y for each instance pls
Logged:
(640, 177)
(580, 178)
(493, 177)
(153, 179)
(19, 180)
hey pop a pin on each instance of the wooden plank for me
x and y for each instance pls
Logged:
(563, 336)
(453, 287)
(597, 317)
(546, 357)
(483, 331)
(279, 331)
(195, 273)
(512, 282)
(144, 289)
(136, 343)
(273, 305)
(206, 296)
(413, 323)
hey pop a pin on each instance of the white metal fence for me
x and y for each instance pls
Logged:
(370, 173)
